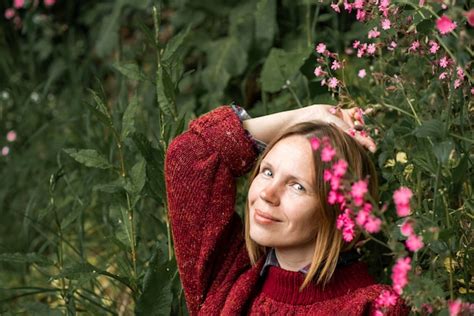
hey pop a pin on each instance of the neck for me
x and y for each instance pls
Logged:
(294, 259)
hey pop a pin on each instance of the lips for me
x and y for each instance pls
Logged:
(266, 215)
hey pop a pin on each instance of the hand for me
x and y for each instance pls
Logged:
(349, 120)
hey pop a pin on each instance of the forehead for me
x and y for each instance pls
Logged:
(294, 155)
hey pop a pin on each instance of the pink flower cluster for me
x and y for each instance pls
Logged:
(12, 13)
(400, 274)
(351, 198)
(386, 299)
(402, 197)
(11, 137)
(331, 81)
(413, 242)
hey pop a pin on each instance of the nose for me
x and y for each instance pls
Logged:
(270, 194)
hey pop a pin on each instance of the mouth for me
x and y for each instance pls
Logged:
(264, 218)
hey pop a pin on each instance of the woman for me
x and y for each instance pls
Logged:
(288, 258)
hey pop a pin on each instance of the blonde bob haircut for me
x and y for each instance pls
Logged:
(329, 243)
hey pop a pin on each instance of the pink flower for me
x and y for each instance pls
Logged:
(347, 6)
(434, 47)
(373, 33)
(327, 175)
(402, 198)
(371, 49)
(378, 313)
(327, 153)
(407, 228)
(335, 183)
(18, 4)
(318, 72)
(400, 274)
(414, 243)
(454, 307)
(414, 46)
(355, 44)
(469, 17)
(5, 150)
(392, 46)
(360, 15)
(362, 73)
(335, 65)
(358, 190)
(403, 210)
(11, 136)
(340, 168)
(9, 13)
(332, 82)
(358, 4)
(361, 217)
(321, 48)
(49, 3)
(335, 197)
(386, 298)
(444, 62)
(402, 195)
(373, 224)
(361, 50)
(386, 24)
(472, 91)
(457, 83)
(348, 233)
(335, 7)
(315, 143)
(445, 25)
(442, 76)
(460, 72)
(421, 3)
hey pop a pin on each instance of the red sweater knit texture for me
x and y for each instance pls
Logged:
(201, 168)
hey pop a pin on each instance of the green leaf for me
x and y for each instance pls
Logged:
(166, 92)
(138, 176)
(157, 297)
(433, 128)
(225, 58)
(26, 258)
(78, 270)
(279, 67)
(425, 26)
(265, 23)
(111, 187)
(99, 109)
(443, 150)
(89, 158)
(154, 165)
(174, 45)
(108, 32)
(131, 71)
(70, 217)
(128, 120)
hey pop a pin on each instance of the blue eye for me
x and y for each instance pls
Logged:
(299, 187)
(267, 172)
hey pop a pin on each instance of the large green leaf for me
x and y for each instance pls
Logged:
(433, 128)
(225, 58)
(108, 32)
(265, 23)
(281, 66)
(89, 158)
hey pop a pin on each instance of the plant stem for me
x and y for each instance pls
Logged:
(293, 94)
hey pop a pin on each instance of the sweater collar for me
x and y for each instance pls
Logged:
(345, 258)
(283, 286)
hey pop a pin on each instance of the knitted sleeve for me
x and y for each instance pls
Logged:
(200, 170)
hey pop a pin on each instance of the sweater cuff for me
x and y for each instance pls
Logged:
(222, 130)
(243, 115)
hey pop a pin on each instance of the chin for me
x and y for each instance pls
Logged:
(262, 238)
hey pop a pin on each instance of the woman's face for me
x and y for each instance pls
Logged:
(282, 200)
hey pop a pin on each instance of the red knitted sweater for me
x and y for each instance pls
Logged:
(217, 277)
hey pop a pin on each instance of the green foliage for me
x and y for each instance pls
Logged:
(108, 84)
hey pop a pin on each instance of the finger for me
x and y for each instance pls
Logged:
(364, 139)
(347, 117)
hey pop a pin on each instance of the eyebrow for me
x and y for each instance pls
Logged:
(266, 163)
